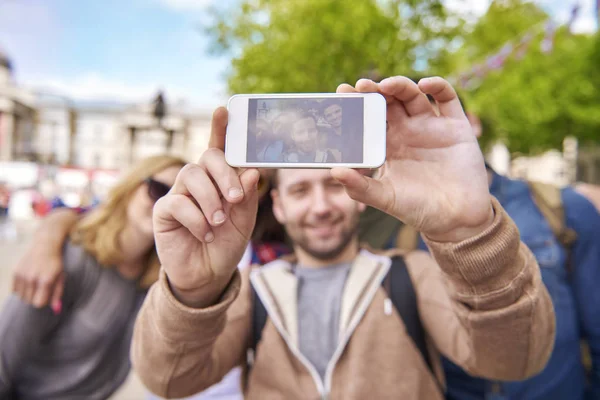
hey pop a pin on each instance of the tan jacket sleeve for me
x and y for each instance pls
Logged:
(179, 351)
(484, 304)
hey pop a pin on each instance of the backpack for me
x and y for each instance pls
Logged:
(401, 292)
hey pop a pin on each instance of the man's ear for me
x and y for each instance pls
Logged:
(277, 211)
(475, 124)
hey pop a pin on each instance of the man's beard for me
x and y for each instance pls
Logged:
(347, 235)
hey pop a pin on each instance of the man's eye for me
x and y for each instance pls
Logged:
(298, 191)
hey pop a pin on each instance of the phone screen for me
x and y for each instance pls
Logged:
(305, 130)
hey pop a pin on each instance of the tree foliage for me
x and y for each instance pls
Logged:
(313, 45)
(533, 103)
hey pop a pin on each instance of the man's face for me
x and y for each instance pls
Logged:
(304, 134)
(333, 115)
(317, 213)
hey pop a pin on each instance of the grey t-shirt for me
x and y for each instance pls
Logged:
(319, 303)
(82, 353)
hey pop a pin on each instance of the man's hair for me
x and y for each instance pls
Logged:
(300, 114)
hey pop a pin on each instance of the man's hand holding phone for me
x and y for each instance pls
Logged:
(434, 177)
(203, 225)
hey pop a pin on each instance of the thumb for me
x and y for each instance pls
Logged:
(364, 189)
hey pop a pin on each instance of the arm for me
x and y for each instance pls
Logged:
(23, 328)
(195, 348)
(585, 220)
(434, 179)
(38, 277)
(184, 339)
(485, 306)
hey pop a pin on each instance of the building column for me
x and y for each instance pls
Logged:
(7, 128)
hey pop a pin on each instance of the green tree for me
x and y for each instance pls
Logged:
(313, 45)
(533, 103)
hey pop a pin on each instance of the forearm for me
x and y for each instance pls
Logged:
(194, 348)
(500, 301)
(54, 229)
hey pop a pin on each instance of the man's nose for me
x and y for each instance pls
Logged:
(320, 204)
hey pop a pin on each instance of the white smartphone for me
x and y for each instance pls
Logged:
(313, 130)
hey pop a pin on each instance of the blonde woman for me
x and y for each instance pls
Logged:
(82, 352)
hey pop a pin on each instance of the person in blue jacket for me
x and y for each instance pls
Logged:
(574, 286)
(575, 290)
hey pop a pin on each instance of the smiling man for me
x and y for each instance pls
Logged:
(334, 326)
(304, 134)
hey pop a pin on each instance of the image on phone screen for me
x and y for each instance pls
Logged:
(305, 130)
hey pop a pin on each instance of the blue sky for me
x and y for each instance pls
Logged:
(128, 49)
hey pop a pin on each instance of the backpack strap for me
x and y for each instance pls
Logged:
(548, 199)
(259, 319)
(400, 289)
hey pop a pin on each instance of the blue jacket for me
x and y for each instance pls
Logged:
(576, 299)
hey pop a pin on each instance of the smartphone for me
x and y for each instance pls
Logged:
(312, 130)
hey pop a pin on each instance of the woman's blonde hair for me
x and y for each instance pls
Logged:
(98, 232)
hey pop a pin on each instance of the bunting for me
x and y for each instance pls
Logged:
(496, 61)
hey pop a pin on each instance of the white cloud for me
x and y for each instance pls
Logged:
(559, 9)
(184, 5)
(95, 87)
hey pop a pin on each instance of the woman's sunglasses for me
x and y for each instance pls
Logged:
(156, 189)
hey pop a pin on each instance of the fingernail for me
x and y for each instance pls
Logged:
(234, 193)
(209, 237)
(219, 217)
(57, 307)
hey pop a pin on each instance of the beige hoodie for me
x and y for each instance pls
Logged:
(483, 305)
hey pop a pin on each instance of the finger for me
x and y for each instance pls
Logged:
(218, 128)
(17, 283)
(30, 288)
(364, 189)
(225, 176)
(369, 86)
(249, 179)
(42, 295)
(345, 88)
(445, 96)
(202, 189)
(176, 210)
(406, 91)
(57, 294)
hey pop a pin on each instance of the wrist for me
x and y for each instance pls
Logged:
(464, 232)
(202, 297)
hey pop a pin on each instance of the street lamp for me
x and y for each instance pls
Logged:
(160, 112)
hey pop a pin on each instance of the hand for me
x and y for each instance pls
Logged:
(202, 227)
(38, 277)
(434, 177)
